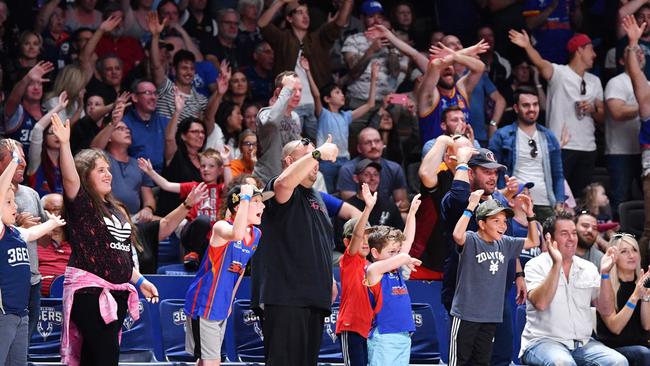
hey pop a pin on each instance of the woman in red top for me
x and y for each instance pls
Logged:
(100, 234)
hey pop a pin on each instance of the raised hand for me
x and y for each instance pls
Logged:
(62, 102)
(474, 199)
(526, 204)
(56, 219)
(440, 51)
(110, 24)
(377, 31)
(413, 262)
(118, 113)
(145, 165)
(179, 99)
(512, 185)
(225, 154)
(369, 198)
(608, 260)
(328, 150)
(304, 63)
(477, 49)
(374, 71)
(633, 30)
(463, 154)
(41, 68)
(124, 97)
(197, 195)
(60, 130)
(520, 39)
(153, 24)
(289, 81)
(415, 204)
(553, 251)
(247, 189)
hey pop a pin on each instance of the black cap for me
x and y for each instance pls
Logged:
(364, 163)
(485, 159)
(233, 196)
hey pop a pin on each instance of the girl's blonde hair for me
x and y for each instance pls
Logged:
(71, 80)
(620, 240)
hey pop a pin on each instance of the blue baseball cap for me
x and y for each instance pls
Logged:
(371, 8)
(522, 186)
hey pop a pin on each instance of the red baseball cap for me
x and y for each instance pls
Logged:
(578, 40)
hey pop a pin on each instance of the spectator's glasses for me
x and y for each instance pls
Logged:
(533, 148)
(583, 87)
(304, 142)
(623, 235)
(248, 144)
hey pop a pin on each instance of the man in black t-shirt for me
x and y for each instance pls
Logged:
(292, 268)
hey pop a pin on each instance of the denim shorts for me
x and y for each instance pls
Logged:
(392, 349)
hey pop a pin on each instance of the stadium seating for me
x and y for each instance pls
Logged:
(424, 342)
(138, 336)
(174, 270)
(46, 340)
(56, 288)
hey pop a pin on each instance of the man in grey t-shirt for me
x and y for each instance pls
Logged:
(278, 125)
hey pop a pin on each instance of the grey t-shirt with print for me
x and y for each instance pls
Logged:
(481, 281)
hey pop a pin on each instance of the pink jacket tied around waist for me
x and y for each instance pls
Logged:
(75, 279)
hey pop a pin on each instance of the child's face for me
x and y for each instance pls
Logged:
(255, 209)
(601, 197)
(210, 170)
(9, 208)
(494, 226)
(337, 98)
(365, 248)
(390, 250)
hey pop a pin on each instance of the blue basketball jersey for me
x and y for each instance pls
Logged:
(14, 272)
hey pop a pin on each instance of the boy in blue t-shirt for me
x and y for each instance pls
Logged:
(482, 269)
(14, 267)
(332, 121)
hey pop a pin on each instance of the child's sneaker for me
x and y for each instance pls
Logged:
(191, 261)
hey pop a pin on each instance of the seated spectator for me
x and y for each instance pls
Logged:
(249, 33)
(71, 81)
(626, 328)
(392, 182)
(334, 122)
(238, 89)
(113, 40)
(398, 128)
(195, 233)
(199, 24)
(84, 131)
(559, 319)
(594, 199)
(135, 19)
(250, 114)
(82, 14)
(520, 224)
(56, 41)
(53, 250)
(385, 212)
(230, 121)
(224, 46)
(575, 100)
(278, 124)
(149, 128)
(23, 106)
(129, 185)
(260, 74)
(531, 152)
(184, 164)
(589, 240)
(43, 171)
(247, 154)
(183, 62)
(15, 68)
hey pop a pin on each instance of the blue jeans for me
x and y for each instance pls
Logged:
(331, 172)
(636, 355)
(623, 170)
(13, 348)
(548, 353)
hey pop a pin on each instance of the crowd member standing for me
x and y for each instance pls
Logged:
(575, 100)
(101, 265)
(209, 299)
(292, 270)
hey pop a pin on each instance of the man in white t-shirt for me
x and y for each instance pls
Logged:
(575, 101)
(621, 134)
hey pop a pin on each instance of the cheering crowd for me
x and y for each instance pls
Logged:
(453, 141)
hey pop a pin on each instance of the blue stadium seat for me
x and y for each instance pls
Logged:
(429, 292)
(169, 251)
(46, 341)
(330, 346)
(247, 333)
(171, 287)
(520, 322)
(138, 336)
(172, 323)
(177, 269)
(424, 343)
(56, 288)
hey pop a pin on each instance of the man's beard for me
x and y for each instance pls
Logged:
(583, 244)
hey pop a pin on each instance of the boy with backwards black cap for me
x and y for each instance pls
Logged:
(482, 269)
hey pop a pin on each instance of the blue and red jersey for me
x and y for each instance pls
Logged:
(430, 122)
(392, 305)
(211, 294)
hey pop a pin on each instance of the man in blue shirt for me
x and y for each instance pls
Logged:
(147, 127)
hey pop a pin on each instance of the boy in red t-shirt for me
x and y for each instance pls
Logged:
(356, 312)
(194, 233)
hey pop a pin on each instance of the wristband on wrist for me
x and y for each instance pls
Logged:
(630, 304)
(139, 282)
(531, 218)
(187, 205)
(149, 207)
(468, 213)
(244, 197)
(520, 274)
(604, 276)
(462, 166)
